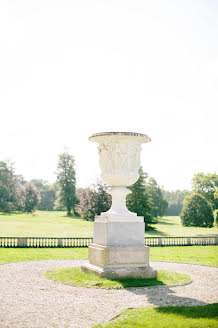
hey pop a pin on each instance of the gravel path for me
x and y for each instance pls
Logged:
(29, 300)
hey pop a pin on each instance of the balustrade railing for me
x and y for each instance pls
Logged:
(181, 241)
(42, 242)
(52, 242)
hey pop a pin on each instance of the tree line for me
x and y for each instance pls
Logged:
(17, 194)
(147, 199)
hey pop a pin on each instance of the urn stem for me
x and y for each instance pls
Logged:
(118, 206)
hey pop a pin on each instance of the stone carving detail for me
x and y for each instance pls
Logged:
(119, 157)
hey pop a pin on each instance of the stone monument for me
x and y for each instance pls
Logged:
(118, 249)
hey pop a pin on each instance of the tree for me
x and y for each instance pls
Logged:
(6, 186)
(47, 194)
(93, 201)
(11, 189)
(216, 194)
(206, 184)
(85, 207)
(159, 204)
(102, 199)
(216, 217)
(196, 212)
(66, 181)
(174, 199)
(32, 197)
(138, 201)
(19, 192)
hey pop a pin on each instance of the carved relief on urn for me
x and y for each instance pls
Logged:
(119, 156)
(119, 160)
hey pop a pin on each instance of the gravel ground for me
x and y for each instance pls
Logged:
(29, 300)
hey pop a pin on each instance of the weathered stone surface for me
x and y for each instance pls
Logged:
(118, 262)
(112, 256)
(119, 156)
(119, 233)
(120, 272)
(119, 160)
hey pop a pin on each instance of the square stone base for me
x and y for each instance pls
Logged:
(118, 255)
(120, 272)
(119, 262)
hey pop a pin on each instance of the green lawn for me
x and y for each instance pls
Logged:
(56, 224)
(206, 255)
(44, 224)
(171, 226)
(165, 317)
(75, 277)
(34, 254)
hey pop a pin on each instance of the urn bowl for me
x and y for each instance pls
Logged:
(119, 156)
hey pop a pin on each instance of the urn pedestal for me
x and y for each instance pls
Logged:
(118, 249)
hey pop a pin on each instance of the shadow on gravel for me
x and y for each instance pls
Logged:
(164, 296)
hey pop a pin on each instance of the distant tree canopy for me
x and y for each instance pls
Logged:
(158, 203)
(197, 207)
(7, 186)
(93, 201)
(146, 199)
(175, 201)
(32, 197)
(206, 185)
(216, 217)
(47, 194)
(197, 211)
(12, 188)
(139, 202)
(216, 194)
(66, 182)
(15, 193)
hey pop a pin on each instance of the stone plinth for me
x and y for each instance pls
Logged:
(112, 230)
(112, 256)
(119, 262)
(118, 249)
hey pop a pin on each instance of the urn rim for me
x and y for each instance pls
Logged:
(143, 137)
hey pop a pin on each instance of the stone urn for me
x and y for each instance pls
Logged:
(118, 248)
(119, 160)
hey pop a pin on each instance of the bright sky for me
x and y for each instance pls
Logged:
(71, 68)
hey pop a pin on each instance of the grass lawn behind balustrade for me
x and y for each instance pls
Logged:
(207, 255)
(166, 317)
(44, 224)
(57, 224)
(171, 226)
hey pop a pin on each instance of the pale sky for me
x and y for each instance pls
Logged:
(70, 68)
